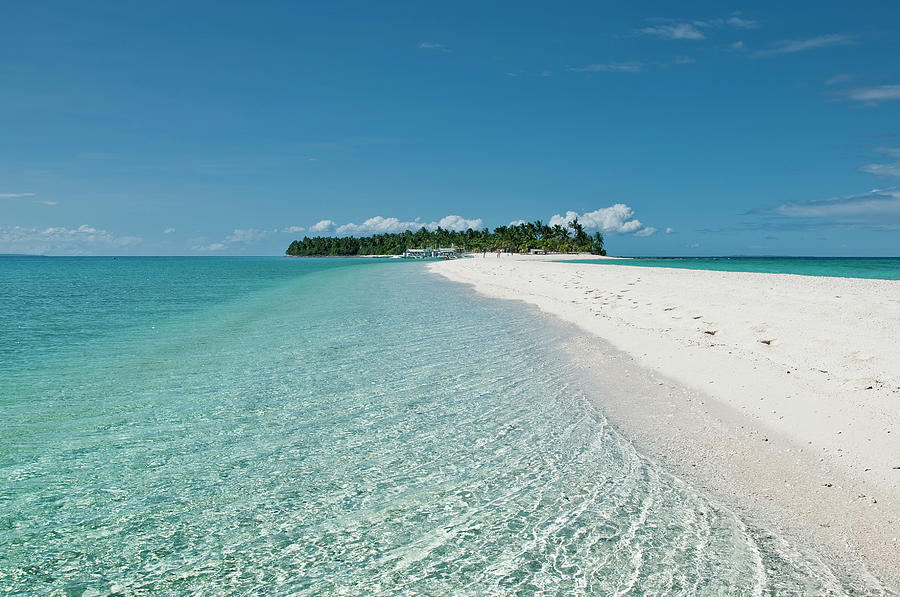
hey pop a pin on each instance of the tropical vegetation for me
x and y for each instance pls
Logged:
(515, 238)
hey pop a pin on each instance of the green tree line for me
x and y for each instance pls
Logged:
(519, 238)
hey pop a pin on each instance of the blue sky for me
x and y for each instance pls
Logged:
(229, 128)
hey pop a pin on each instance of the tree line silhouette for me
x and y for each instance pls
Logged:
(515, 238)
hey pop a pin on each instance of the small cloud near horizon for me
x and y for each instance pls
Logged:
(211, 247)
(61, 240)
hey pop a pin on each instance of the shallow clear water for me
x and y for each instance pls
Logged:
(289, 426)
(884, 268)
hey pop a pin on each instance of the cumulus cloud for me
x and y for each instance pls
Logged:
(168, 231)
(670, 230)
(322, 226)
(292, 229)
(382, 225)
(618, 218)
(791, 46)
(83, 240)
(456, 223)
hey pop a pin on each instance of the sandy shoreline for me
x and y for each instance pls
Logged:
(778, 393)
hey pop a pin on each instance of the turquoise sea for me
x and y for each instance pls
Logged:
(883, 268)
(273, 426)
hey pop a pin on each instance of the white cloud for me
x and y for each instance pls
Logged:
(84, 239)
(168, 231)
(610, 67)
(668, 29)
(238, 236)
(645, 231)
(246, 235)
(456, 223)
(211, 247)
(517, 222)
(735, 20)
(791, 46)
(873, 95)
(429, 45)
(674, 31)
(670, 230)
(890, 170)
(376, 225)
(292, 229)
(737, 46)
(322, 226)
(618, 218)
(879, 208)
(27, 197)
(740, 22)
(382, 225)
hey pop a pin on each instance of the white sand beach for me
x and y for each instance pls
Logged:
(779, 394)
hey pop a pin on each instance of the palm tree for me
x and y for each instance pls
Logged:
(582, 240)
(598, 244)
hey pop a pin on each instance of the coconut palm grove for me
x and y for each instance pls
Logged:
(515, 238)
